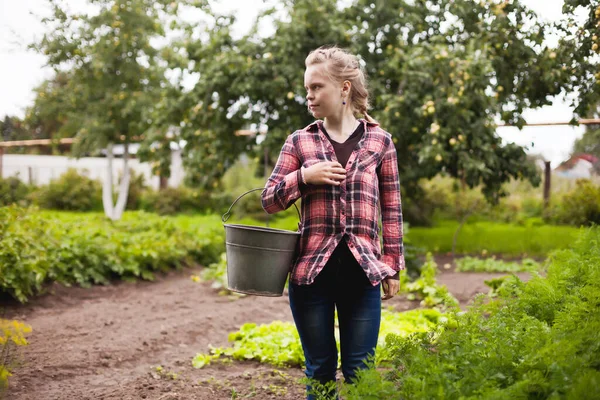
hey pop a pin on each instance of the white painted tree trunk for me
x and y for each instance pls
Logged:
(115, 212)
(107, 199)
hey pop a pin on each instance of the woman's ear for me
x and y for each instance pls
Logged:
(346, 85)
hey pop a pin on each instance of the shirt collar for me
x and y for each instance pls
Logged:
(316, 123)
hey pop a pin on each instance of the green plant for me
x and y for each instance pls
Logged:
(12, 190)
(278, 343)
(426, 289)
(71, 191)
(491, 264)
(166, 201)
(581, 206)
(12, 333)
(175, 200)
(84, 249)
(534, 340)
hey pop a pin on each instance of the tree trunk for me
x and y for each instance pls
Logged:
(107, 187)
(163, 182)
(123, 186)
(115, 212)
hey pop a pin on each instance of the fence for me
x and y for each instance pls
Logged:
(41, 169)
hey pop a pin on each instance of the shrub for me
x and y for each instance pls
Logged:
(12, 190)
(581, 206)
(71, 191)
(166, 201)
(182, 199)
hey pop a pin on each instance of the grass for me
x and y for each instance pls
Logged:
(494, 238)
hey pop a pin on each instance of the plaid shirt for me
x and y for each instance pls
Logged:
(351, 209)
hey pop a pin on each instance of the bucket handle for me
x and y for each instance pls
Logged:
(226, 216)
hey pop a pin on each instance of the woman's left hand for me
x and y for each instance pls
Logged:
(390, 288)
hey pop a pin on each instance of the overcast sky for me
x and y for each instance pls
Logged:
(21, 71)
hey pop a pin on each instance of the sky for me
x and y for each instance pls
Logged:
(22, 70)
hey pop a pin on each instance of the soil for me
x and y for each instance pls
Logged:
(105, 342)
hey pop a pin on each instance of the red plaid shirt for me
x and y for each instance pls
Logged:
(330, 213)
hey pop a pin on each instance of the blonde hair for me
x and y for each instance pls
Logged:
(342, 66)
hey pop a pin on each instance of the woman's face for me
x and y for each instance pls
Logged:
(324, 96)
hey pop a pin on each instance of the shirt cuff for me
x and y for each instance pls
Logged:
(394, 262)
(301, 185)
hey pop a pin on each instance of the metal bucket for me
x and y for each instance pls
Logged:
(258, 258)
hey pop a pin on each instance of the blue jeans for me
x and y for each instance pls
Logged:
(343, 284)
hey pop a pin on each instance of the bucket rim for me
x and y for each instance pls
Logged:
(262, 229)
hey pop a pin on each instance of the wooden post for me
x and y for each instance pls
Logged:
(1, 157)
(30, 174)
(547, 178)
(163, 182)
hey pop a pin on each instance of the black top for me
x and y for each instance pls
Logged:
(344, 150)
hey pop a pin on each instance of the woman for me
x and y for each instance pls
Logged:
(341, 167)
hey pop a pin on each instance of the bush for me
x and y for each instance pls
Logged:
(71, 192)
(164, 202)
(175, 200)
(581, 206)
(13, 191)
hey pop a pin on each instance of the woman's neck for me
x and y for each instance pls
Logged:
(341, 127)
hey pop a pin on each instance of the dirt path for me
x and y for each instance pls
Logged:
(105, 342)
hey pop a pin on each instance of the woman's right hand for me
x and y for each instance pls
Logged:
(325, 173)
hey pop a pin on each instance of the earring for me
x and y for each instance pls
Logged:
(344, 102)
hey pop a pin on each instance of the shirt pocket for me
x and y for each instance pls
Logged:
(368, 161)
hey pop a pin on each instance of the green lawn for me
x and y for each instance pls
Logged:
(493, 238)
